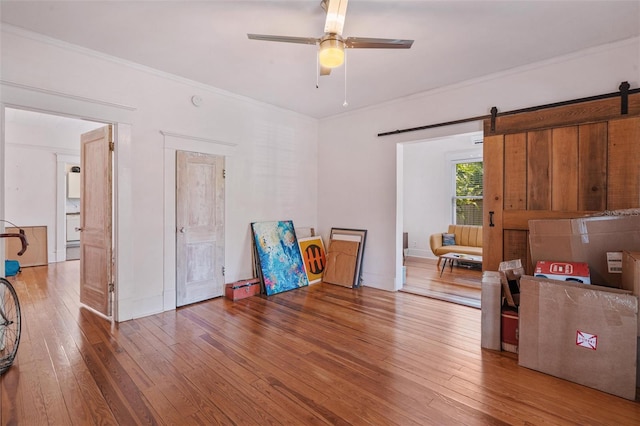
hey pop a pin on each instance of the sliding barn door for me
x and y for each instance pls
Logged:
(561, 171)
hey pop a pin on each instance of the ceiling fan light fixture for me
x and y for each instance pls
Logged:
(331, 45)
(331, 54)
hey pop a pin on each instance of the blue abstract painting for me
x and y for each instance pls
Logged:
(279, 256)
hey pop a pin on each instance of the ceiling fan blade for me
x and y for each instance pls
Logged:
(284, 39)
(336, 11)
(325, 71)
(377, 43)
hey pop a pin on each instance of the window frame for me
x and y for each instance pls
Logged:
(470, 156)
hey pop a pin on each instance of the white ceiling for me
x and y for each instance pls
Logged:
(206, 41)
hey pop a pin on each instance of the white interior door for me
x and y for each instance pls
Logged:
(96, 267)
(199, 227)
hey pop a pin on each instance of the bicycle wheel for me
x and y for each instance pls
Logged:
(9, 324)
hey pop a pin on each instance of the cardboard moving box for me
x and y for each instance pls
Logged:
(490, 315)
(583, 333)
(586, 239)
(631, 282)
(631, 274)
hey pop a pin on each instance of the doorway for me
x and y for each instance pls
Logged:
(425, 186)
(42, 152)
(174, 142)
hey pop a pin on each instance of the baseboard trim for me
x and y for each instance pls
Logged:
(416, 252)
(425, 260)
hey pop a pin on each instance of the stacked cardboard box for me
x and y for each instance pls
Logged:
(582, 333)
(631, 282)
(598, 241)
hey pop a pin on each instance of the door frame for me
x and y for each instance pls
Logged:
(465, 130)
(62, 160)
(174, 142)
(58, 103)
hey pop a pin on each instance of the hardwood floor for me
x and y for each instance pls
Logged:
(457, 285)
(318, 355)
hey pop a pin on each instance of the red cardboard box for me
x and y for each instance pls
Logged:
(509, 330)
(563, 271)
(242, 289)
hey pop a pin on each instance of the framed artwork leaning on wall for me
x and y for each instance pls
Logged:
(359, 235)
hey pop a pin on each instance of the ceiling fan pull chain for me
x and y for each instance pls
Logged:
(317, 70)
(345, 104)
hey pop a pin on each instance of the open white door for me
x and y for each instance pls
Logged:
(96, 269)
(199, 227)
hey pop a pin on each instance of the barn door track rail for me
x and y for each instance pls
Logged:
(624, 90)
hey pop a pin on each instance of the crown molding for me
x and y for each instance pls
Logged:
(196, 138)
(20, 32)
(66, 95)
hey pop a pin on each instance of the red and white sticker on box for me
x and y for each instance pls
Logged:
(586, 340)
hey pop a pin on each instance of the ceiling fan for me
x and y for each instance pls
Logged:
(331, 45)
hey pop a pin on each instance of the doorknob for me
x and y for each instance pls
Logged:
(79, 229)
(182, 230)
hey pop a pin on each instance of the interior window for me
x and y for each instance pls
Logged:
(467, 196)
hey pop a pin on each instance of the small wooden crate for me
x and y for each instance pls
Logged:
(242, 289)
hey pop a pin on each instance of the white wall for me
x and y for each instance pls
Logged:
(359, 169)
(272, 167)
(428, 185)
(271, 164)
(26, 169)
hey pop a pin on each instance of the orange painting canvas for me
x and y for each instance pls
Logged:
(313, 256)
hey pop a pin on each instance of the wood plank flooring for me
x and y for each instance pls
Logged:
(318, 355)
(457, 285)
